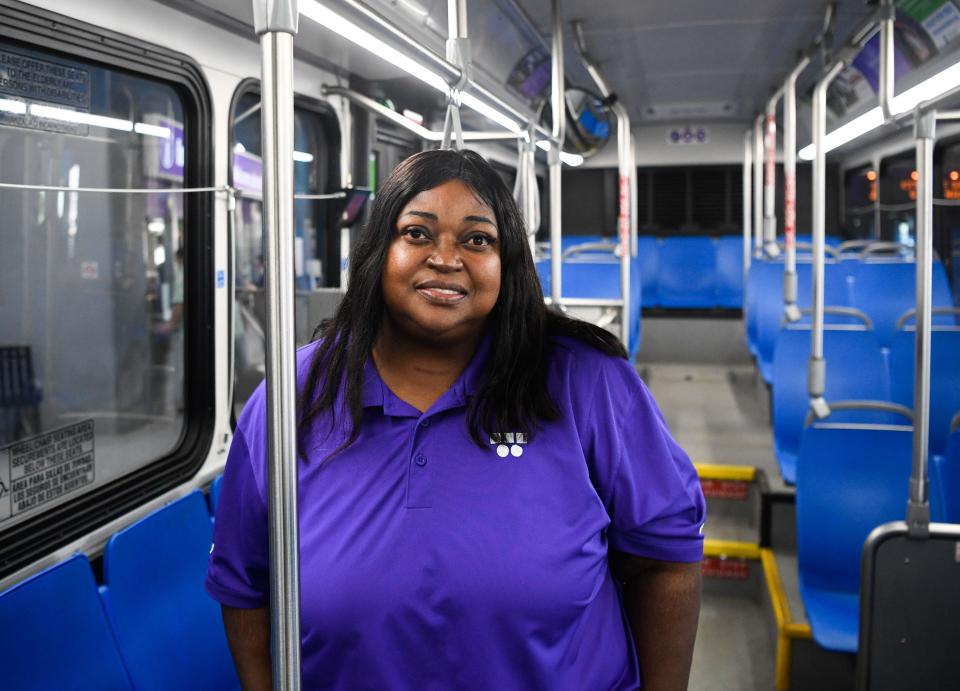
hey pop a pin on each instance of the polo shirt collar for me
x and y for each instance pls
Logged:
(376, 393)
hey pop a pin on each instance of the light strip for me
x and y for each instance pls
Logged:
(326, 17)
(79, 117)
(927, 90)
(152, 130)
(302, 157)
(489, 112)
(568, 158)
(8, 105)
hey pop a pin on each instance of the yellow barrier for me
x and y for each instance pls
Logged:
(717, 471)
(787, 629)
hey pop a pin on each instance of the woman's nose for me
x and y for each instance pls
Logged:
(446, 256)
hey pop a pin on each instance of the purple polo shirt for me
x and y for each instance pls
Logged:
(428, 562)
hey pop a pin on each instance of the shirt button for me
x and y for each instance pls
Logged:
(420, 460)
(424, 423)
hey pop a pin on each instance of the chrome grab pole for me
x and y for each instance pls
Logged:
(758, 186)
(770, 179)
(626, 224)
(918, 508)
(558, 107)
(276, 24)
(747, 210)
(791, 312)
(887, 75)
(817, 369)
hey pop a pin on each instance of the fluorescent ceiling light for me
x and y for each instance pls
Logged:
(846, 133)
(302, 157)
(79, 117)
(8, 105)
(927, 90)
(415, 7)
(490, 113)
(568, 158)
(340, 25)
(239, 148)
(152, 130)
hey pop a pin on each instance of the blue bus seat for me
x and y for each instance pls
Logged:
(729, 287)
(770, 306)
(688, 267)
(945, 477)
(944, 376)
(760, 277)
(168, 629)
(598, 278)
(215, 494)
(887, 289)
(856, 369)
(648, 256)
(850, 479)
(56, 635)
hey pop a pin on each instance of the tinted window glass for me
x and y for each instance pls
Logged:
(91, 283)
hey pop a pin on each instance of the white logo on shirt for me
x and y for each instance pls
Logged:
(509, 443)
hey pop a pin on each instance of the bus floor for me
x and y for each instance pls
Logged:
(704, 381)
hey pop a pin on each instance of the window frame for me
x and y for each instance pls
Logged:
(40, 29)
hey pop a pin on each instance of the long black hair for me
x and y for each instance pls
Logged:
(512, 394)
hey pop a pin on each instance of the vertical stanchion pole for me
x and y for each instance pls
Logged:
(770, 180)
(634, 201)
(918, 508)
(758, 186)
(276, 24)
(558, 106)
(817, 369)
(747, 201)
(791, 312)
(885, 87)
(458, 53)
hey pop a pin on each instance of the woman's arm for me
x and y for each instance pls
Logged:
(662, 599)
(248, 635)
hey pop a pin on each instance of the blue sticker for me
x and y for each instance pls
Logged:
(221, 278)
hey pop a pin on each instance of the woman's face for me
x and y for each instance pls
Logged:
(442, 276)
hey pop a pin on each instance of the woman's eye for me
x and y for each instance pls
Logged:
(480, 240)
(414, 233)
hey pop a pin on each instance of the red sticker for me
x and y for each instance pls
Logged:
(725, 489)
(727, 569)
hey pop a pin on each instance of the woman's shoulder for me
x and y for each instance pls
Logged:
(587, 368)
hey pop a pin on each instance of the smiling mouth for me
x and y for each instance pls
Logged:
(442, 293)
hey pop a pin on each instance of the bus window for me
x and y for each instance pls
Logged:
(93, 305)
(316, 241)
(860, 198)
(898, 197)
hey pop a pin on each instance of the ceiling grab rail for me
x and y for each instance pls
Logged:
(769, 242)
(758, 186)
(458, 53)
(626, 223)
(747, 201)
(558, 110)
(275, 22)
(817, 366)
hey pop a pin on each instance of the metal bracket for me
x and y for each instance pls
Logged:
(918, 518)
(275, 16)
(458, 53)
(925, 125)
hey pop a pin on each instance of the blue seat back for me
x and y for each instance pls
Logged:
(887, 289)
(760, 278)
(849, 480)
(648, 256)
(945, 470)
(688, 268)
(598, 277)
(168, 629)
(729, 287)
(770, 306)
(856, 370)
(944, 378)
(215, 494)
(56, 636)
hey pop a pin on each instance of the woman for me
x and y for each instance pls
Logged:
(489, 496)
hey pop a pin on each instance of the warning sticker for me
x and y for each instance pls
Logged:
(45, 468)
(57, 88)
